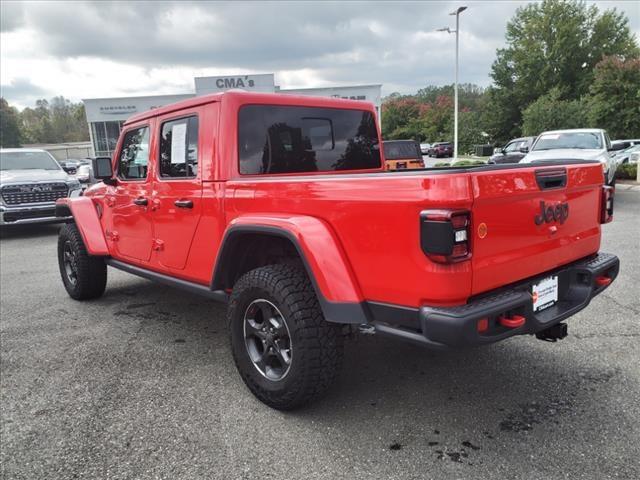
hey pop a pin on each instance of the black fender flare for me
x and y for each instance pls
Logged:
(338, 312)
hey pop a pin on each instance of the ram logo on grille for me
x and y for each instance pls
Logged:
(36, 188)
(38, 193)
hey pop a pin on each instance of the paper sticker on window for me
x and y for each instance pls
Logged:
(178, 142)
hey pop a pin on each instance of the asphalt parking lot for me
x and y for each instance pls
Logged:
(141, 384)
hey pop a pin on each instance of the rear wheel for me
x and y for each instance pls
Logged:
(84, 276)
(286, 352)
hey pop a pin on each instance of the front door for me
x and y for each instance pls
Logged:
(131, 229)
(513, 153)
(177, 197)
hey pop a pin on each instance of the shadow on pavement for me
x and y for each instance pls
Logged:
(29, 231)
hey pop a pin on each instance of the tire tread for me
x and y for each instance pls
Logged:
(322, 341)
(92, 271)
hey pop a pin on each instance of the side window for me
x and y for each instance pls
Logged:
(134, 155)
(512, 147)
(179, 148)
(607, 141)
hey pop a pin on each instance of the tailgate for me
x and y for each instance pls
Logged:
(535, 219)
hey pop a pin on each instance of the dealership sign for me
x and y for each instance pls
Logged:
(253, 83)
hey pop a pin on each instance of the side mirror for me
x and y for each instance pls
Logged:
(524, 149)
(103, 170)
(68, 167)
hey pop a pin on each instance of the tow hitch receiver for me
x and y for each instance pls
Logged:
(553, 334)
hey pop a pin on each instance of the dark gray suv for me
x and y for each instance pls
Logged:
(512, 152)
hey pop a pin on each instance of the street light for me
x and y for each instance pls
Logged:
(457, 13)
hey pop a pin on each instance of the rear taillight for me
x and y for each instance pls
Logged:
(445, 234)
(606, 204)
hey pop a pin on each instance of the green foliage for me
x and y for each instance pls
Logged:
(54, 122)
(566, 65)
(552, 44)
(468, 163)
(428, 116)
(442, 164)
(469, 132)
(550, 112)
(614, 100)
(9, 125)
(627, 171)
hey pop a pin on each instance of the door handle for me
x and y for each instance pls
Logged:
(183, 203)
(141, 201)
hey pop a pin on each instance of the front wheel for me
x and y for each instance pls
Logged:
(84, 276)
(286, 352)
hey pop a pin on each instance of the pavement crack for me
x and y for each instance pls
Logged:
(621, 305)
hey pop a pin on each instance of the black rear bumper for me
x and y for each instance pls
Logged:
(443, 327)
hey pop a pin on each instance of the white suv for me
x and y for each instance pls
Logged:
(576, 144)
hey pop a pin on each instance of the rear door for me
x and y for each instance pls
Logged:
(528, 221)
(177, 196)
(131, 228)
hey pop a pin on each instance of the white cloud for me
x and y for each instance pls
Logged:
(106, 49)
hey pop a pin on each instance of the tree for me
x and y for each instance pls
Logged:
(470, 132)
(54, 122)
(555, 43)
(614, 103)
(428, 115)
(9, 125)
(397, 112)
(550, 112)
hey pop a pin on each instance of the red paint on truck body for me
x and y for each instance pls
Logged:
(359, 230)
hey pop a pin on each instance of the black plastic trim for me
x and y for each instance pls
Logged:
(396, 315)
(446, 327)
(218, 295)
(62, 211)
(548, 179)
(264, 177)
(337, 312)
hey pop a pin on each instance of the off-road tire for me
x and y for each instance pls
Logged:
(316, 345)
(90, 272)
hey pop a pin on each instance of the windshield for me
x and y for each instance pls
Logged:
(393, 150)
(580, 140)
(27, 161)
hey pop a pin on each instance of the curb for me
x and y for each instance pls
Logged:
(635, 187)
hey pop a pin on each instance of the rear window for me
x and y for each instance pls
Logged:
(288, 139)
(395, 150)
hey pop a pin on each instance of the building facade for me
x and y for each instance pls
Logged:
(106, 115)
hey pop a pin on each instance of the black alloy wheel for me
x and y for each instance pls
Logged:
(267, 339)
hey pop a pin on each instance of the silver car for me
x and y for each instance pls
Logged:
(575, 144)
(31, 181)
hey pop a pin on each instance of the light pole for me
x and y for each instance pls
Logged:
(457, 13)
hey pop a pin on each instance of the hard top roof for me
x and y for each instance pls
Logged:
(254, 98)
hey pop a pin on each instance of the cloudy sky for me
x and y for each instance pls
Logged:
(108, 49)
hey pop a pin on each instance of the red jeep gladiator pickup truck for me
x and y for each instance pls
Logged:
(280, 206)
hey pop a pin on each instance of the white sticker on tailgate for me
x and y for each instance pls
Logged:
(545, 293)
